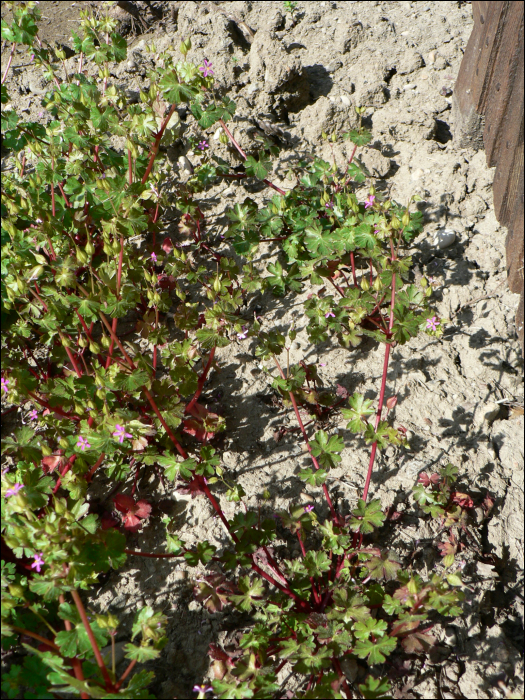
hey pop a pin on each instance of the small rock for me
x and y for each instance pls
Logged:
(432, 57)
(409, 86)
(345, 100)
(451, 638)
(131, 65)
(453, 672)
(349, 667)
(486, 570)
(444, 238)
(253, 87)
(416, 174)
(445, 91)
(411, 61)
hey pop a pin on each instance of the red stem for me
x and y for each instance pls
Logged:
(155, 147)
(36, 636)
(243, 154)
(201, 382)
(93, 641)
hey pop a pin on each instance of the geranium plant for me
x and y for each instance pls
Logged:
(84, 259)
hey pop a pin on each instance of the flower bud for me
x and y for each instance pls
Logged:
(406, 219)
(90, 248)
(423, 282)
(105, 341)
(46, 451)
(22, 285)
(395, 223)
(83, 341)
(107, 249)
(64, 444)
(223, 138)
(217, 285)
(94, 348)
(156, 298)
(378, 285)
(36, 272)
(365, 284)
(372, 190)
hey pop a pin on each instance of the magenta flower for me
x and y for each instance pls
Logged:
(38, 563)
(32, 58)
(329, 205)
(308, 509)
(432, 323)
(13, 490)
(5, 383)
(154, 257)
(370, 201)
(120, 433)
(82, 443)
(243, 335)
(202, 689)
(206, 68)
(203, 145)
(329, 313)
(322, 364)
(376, 231)
(33, 415)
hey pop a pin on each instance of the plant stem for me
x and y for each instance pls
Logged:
(36, 636)
(9, 61)
(308, 446)
(383, 387)
(76, 664)
(93, 641)
(201, 382)
(243, 154)
(156, 144)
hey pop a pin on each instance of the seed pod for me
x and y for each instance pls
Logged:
(406, 219)
(365, 284)
(378, 285)
(83, 341)
(90, 248)
(395, 223)
(82, 257)
(94, 348)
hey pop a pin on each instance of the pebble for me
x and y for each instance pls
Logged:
(217, 134)
(451, 638)
(410, 86)
(432, 57)
(345, 100)
(416, 174)
(444, 238)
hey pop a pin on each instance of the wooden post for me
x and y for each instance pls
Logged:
(488, 103)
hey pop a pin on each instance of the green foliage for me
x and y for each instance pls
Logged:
(111, 405)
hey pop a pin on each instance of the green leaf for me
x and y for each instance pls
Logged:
(251, 594)
(359, 137)
(175, 91)
(367, 516)
(314, 478)
(363, 630)
(258, 168)
(359, 409)
(326, 450)
(203, 553)
(210, 338)
(376, 651)
(384, 567)
(374, 688)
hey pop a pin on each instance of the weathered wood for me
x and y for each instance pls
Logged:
(488, 101)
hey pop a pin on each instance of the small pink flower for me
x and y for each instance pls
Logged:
(13, 490)
(83, 443)
(376, 231)
(120, 433)
(5, 383)
(154, 257)
(243, 335)
(308, 509)
(322, 364)
(202, 689)
(206, 68)
(329, 205)
(370, 201)
(33, 415)
(203, 145)
(32, 58)
(38, 563)
(432, 323)
(329, 313)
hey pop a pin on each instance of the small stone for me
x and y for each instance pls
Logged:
(486, 570)
(416, 174)
(252, 88)
(345, 100)
(350, 668)
(432, 57)
(180, 575)
(445, 91)
(409, 86)
(451, 638)
(131, 65)
(444, 238)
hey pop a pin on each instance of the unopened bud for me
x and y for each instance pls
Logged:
(83, 341)
(365, 284)
(406, 219)
(395, 223)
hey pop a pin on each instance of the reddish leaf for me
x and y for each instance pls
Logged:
(446, 548)
(193, 487)
(107, 521)
(167, 245)
(49, 464)
(217, 653)
(418, 643)
(462, 499)
(341, 391)
(204, 423)
(435, 479)
(488, 504)
(167, 281)
(391, 402)
(424, 479)
(132, 512)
